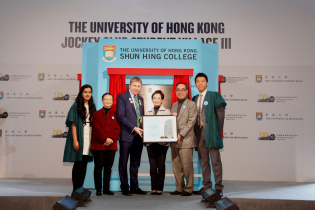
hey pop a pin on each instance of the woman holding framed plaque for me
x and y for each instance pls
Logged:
(157, 151)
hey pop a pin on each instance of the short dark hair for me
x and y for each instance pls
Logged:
(181, 83)
(158, 92)
(201, 75)
(107, 94)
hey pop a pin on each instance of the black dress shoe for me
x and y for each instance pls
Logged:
(175, 193)
(153, 193)
(138, 191)
(199, 191)
(160, 193)
(125, 192)
(220, 193)
(108, 192)
(184, 193)
(98, 193)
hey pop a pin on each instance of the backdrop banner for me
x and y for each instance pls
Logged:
(266, 55)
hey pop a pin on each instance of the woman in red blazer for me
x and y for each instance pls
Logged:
(105, 131)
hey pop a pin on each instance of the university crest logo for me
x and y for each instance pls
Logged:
(258, 78)
(259, 115)
(1, 95)
(41, 76)
(109, 53)
(42, 113)
(4, 78)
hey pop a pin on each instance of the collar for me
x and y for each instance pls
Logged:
(133, 96)
(182, 101)
(160, 109)
(204, 93)
(103, 110)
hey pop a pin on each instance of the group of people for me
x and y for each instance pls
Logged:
(95, 133)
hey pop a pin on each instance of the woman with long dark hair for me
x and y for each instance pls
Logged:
(79, 121)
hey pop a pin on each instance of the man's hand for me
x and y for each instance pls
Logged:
(178, 138)
(138, 131)
(76, 145)
(174, 114)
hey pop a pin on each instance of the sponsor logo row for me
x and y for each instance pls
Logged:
(58, 96)
(261, 78)
(41, 77)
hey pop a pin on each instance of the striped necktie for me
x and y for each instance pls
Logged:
(137, 111)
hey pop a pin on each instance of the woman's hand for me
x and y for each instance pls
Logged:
(108, 142)
(76, 145)
(174, 114)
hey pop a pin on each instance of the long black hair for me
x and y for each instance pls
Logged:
(80, 105)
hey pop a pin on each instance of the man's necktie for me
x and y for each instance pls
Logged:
(199, 111)
(137, 111)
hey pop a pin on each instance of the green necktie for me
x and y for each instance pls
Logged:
(138, 112)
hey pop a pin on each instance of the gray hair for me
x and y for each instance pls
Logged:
(135, 79)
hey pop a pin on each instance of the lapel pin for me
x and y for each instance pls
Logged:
(113, 117)
(205, 103)
(184, 107)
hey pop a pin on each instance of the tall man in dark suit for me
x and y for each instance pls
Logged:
(130, 109)
(209, 126)
(182, 151)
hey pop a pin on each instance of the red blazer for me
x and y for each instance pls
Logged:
(104, 127)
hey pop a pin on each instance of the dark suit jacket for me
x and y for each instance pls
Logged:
(127, 115)
(104, 127)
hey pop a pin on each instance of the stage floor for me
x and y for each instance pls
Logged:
(238, 191)
(232, 189)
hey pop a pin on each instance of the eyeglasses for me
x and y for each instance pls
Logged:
(181, 90)
(107, 99)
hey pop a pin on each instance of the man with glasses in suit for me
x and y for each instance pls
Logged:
(182, 151)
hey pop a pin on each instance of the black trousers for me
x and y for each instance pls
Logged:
(103, 159)
(157, 157)
(134, 150)
(78, 172)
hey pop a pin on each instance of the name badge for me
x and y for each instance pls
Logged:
(113, 117)
(205, 103)
(184, 107)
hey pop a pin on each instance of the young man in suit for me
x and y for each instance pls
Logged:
(130, 109)
(209, 126)
(182, 151)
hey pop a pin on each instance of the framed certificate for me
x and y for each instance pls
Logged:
(159, 128)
